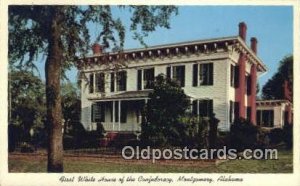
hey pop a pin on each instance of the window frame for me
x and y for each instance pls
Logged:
(196, 104)
(260, 117)
(170, 73)
(141, 84)
(98, 117)
(198, 71)
(97, 77)
(91, 83)
(115, 80)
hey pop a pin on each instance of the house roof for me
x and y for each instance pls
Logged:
(196, 46)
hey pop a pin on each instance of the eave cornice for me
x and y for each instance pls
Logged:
(175, 49)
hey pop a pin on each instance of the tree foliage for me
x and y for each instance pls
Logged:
(70, 102)
(167, 104)
(27, 100)
(273, 89)
(62, 35)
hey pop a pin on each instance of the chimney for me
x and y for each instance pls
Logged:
(243, 30)
(97, 49)
(254, 44)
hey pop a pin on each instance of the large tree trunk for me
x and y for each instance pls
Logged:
(54, 114)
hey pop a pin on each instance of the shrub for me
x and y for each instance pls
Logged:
(288, 135)
(213, 131)
(27, 148)
(276, 135)
(196, 132)
(223, 139)
(243, 135)
(161, 125)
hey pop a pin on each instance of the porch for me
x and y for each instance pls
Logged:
(121, 112)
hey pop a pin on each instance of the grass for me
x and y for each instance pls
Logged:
(71, 165)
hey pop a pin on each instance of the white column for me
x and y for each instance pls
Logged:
(113, 114)
(198, 111)
(119, 114)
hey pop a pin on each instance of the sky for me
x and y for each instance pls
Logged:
(271, 25)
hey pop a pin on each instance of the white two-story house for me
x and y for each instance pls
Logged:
(219, 76)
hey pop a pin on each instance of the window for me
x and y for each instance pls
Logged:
(265, 118)
(203, 108)
(206, 74)
(100, 84)
(121, 81)
(177, 74)
(145, 79)
(248, 85)
(118, 80)
(195, 75)
(91, 83)
(123, 113)
(98, 112)
(233, 111)
(203, 75)
(234, 76)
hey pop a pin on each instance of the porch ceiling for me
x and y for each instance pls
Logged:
(128, 95)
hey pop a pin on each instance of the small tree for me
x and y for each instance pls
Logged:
(243, 134)
(167, 104)
(61, 33)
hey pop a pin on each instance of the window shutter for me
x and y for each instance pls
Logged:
(210, 107)
(91, 83)
(112, 82)
(92, 112)
(211, 74)
(123, 112)
(111, 110)
(116, 111)
(230, 111)
(236, 110)
(202, 108)
(236, 76)
(139, 80)
(195, 75)
(102, 112)
(169, 72)
(124, 79)
(258, 117)
(183, 76)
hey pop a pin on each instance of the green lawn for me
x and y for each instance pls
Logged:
(282, 165)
